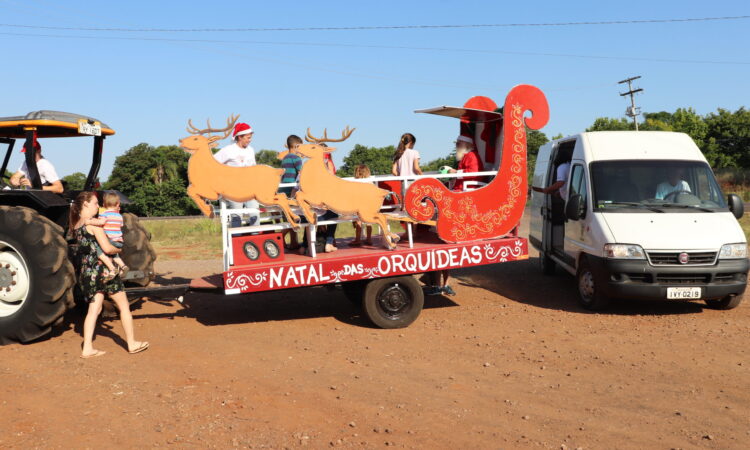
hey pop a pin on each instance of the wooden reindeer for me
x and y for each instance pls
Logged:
(322, 189)
(210, 179)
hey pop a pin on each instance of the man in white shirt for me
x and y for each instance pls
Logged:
(240, 154)
(560, 186)
(674, 183)
(47, 174)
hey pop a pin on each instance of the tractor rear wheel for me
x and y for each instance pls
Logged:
(36, 277)
(137, 251)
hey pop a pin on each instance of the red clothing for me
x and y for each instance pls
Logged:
(470, 163)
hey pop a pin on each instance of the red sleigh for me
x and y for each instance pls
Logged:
(495, 209)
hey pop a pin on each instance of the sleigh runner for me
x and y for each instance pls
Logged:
(473, 227)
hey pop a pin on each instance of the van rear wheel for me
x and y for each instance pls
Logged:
(589, 294)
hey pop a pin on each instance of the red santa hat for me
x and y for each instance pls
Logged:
(465, 138)
(241, 128)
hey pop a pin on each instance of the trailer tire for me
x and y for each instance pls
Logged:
(34, 265)
(393, 302)
(728, 302)
(589, 293)
(137, 251)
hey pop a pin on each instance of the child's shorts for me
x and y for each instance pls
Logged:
(116, 244)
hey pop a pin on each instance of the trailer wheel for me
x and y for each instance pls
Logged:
(728, 302)
(36, 277)
(137, 251)
(588, 292)
(546, 264)
(393, 302)
(354, 291)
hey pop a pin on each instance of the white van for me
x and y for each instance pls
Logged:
(644, 218)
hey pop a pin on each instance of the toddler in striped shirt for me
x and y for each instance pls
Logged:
(111, 220)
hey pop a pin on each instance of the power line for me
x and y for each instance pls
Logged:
(385, 47)
(381, 27)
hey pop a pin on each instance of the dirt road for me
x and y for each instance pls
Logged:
(510, 362)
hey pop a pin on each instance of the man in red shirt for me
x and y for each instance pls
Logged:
(468, 161)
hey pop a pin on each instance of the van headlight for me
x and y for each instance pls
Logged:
(733, 251)
(624, 251)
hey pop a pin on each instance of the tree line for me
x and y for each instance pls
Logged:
(155, 178)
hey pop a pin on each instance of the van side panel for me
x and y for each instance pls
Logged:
(537, 198)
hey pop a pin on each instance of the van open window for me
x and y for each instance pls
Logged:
(663, 186)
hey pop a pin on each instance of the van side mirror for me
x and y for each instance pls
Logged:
(736, 205)
(574, 209)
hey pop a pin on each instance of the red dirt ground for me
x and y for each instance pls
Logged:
(510, 362)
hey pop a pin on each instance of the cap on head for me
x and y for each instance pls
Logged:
(240, 129)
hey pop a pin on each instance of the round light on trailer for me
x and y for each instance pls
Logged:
(271, 248)
(251, 251)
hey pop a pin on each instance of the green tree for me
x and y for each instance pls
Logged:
(436, 164)
(378, 159)
(611, 124)
(728, 138)
(268, 157)
(155, 180)
(534, 140)
(75, 181)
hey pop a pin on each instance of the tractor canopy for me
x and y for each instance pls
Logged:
(52, 124)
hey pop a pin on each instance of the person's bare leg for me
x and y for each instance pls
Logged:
(121, 300)
(369, 235)
(445, 274)
(89, 323)
(107, 262)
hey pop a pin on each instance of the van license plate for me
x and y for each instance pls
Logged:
(678, 293)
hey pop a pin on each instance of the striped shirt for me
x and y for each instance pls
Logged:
(292, 164)
(113, 225)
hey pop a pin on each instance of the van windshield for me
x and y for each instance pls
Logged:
(655, 186)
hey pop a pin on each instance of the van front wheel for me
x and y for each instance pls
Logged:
(588, 292)
(728, 302)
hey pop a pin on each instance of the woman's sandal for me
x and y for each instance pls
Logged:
(93, 355)
(140, 348)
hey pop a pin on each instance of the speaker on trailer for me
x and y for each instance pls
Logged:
(257, 248)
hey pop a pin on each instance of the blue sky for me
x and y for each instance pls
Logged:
(283, 82)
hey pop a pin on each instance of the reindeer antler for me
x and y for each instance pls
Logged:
(344, 136)
(227, 130)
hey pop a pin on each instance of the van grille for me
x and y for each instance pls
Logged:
(672, 258)
(691, 278)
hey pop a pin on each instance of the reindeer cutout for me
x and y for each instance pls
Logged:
(210, 179)
(321, 189)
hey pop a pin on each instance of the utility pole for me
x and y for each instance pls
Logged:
(633, 111)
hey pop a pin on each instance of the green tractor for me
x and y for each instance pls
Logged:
(37, 275)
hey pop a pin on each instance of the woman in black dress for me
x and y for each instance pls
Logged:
(93, 277)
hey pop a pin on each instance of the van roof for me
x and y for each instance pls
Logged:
(611, 145)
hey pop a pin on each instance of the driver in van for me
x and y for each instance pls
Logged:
(47, 174)
(674, 183)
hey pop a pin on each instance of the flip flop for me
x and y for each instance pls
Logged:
(93, 355)
(142, 347)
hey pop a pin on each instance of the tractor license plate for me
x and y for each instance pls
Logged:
(90, 129)
(683, 293)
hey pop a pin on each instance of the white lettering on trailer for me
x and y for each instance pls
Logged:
(430, 260)
(275, 277)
